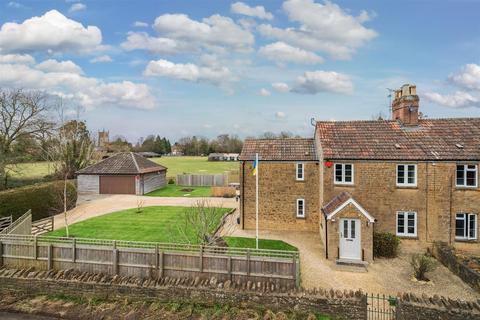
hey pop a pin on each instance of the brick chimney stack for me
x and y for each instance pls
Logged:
(405, 105)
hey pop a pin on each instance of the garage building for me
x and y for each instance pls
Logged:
(123, 173)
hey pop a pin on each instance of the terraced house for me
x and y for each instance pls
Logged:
(414, 177)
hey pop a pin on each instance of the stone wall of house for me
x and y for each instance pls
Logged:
(334, 229)
(278, 194)
(341, 304)
(448, 257)
(435, 198)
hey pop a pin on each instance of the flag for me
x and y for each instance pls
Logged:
(255, 167)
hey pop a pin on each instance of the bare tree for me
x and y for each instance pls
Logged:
(22, 113)
(200, 224)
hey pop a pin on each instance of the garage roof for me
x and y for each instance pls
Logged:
(123, 163)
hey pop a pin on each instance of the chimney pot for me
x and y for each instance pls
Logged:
(405, 105)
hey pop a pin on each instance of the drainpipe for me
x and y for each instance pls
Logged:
(426, 201)
(326, 237)
(242, 196)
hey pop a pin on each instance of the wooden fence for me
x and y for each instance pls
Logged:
(149, 260)
(5, 222)
(217, 180)
(22, 225)
(42, 226)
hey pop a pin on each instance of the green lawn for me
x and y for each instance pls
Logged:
(32, 170)
(199, 165)
(154, 224)
(241, 242)
(171, 190)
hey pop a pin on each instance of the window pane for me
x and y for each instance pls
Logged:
(471, 178)
(460, 175)
(352, 231)
(345, 228)
(400, 223)
(411, 223)
(411, 174)
(338, 172)
(400, 174)
(471, 226)
(348, 173)
(460, 225)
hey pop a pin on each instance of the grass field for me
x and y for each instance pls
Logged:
(155, 224)
(179, 165)
(171, 190)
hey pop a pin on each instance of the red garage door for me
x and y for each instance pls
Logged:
(117, 184)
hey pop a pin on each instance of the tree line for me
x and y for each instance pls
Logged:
(197, 146)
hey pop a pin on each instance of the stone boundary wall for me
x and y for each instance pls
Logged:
(446, 255)
(340, 304)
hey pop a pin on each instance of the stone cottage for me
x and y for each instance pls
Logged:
(414, 177)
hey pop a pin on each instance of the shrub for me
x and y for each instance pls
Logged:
(45, 199)
(385, 244)
(421, 264)
(171, 181)
(225, 192)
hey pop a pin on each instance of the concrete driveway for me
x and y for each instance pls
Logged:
(100, 205)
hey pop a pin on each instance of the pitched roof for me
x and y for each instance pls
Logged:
(123, 163)
(279, 149)
(432, 139)
(341, 201)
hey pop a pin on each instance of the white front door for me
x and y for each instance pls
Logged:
(350, 247)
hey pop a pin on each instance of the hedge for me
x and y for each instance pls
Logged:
(45, 199)
(385, 244)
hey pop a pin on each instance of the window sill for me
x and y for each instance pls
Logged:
(299, 180)
(336, 184)
(408, 237)
(466, 240)
(407, 187)
(466, 188)
(301, 218)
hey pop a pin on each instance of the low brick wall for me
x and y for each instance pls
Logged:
(446, 255)
(412, 307)
(340, 304)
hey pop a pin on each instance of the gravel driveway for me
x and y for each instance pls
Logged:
(101, 205)
(385, 276)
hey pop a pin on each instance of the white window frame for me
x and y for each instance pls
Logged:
(405, 224)
(343, 174)
(465, 170)
(405, 178)
(302, 178)
(466, 224)
(298, 207)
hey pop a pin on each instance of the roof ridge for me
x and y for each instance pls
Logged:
(391, 120)
(135, 162)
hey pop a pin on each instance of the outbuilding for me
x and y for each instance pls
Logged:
(123, 173)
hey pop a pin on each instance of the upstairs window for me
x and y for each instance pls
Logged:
(300, 208)
(300, 171)
(406, 223)
(407, 175)
(343, 173)
(466, 226)
(466, 175)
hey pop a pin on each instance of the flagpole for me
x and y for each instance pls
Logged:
(256, 201)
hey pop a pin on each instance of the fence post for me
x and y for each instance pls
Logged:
(115, 261)
(248, 262)
(50, 256)
(74, 250)
(294, 268)
(201, 259)
(35, 247)
(229, 266)
(160, 264)
(297, 270)
(1, 254)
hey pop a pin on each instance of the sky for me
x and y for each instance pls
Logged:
(177, 68)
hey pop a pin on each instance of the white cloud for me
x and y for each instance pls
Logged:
(17, 58)
(282, 52)
(313, 82)
(468, 77)
(257, 12)
(16, 5)
(88, 92)
(459, 99)
(104, 58)
(280, 87)
(50, 32)
(157, 45)
(140, 24)
(280, 115)
(52, 65)
(264, 92)
(77, 7)
(189, 72)
(212, 33)
(323, 27)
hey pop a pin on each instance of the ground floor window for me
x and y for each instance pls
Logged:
(466, 226)
(300, 208)
(406, 223)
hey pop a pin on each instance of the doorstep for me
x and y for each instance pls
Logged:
(352, 262)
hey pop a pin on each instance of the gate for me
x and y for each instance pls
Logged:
(381, 307)
(5, 222)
